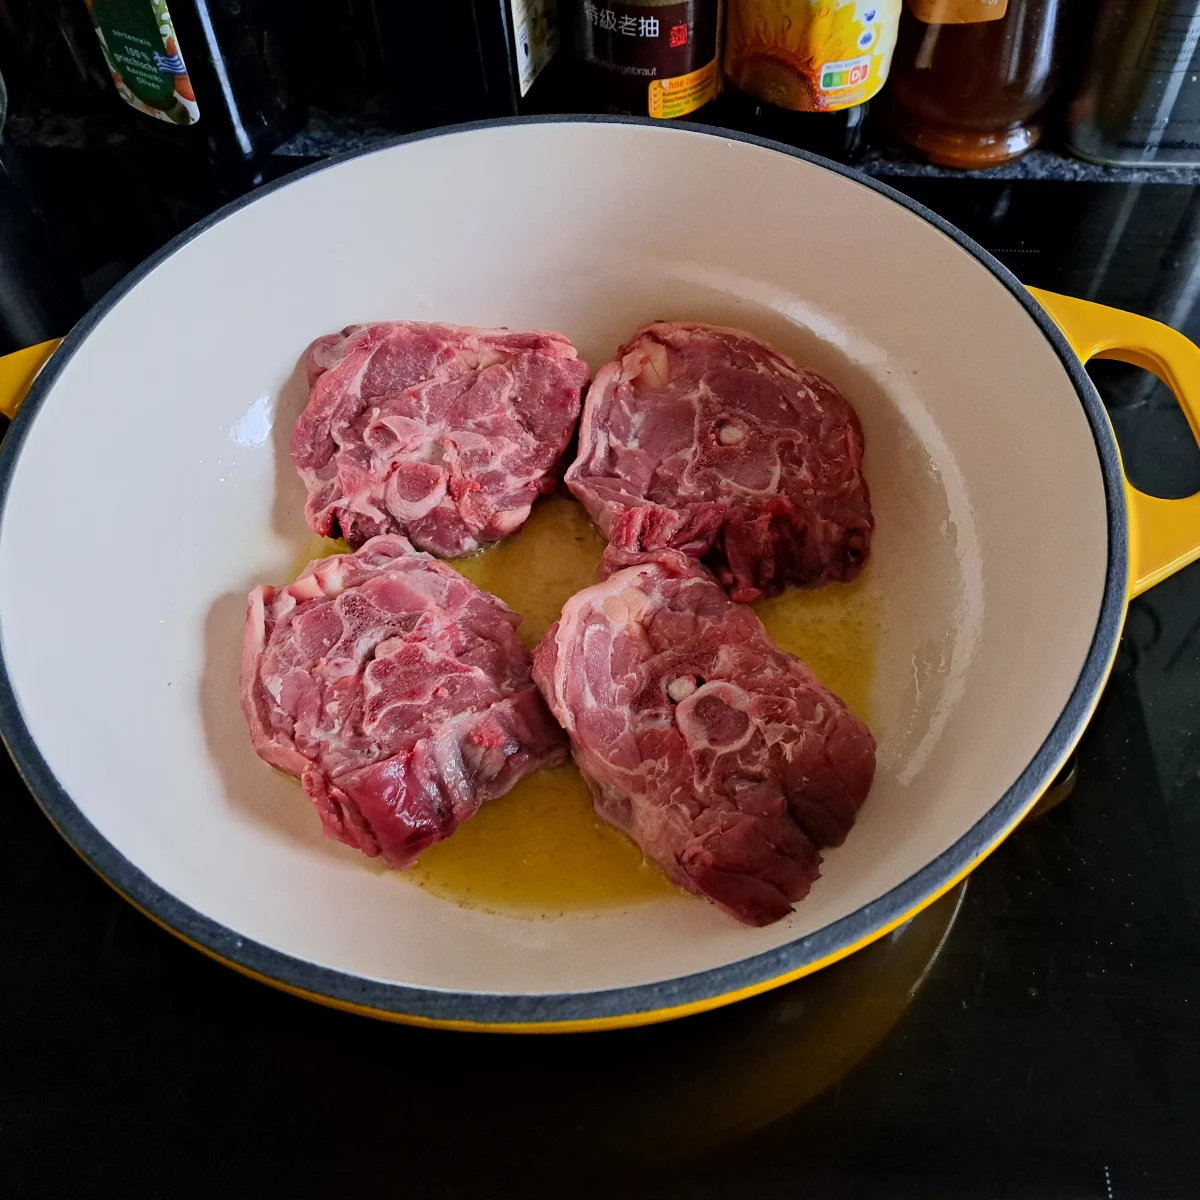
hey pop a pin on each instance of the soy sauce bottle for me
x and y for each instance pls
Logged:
(656, 58)
(208, 78)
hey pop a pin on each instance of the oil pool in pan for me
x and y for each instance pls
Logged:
(541, 850)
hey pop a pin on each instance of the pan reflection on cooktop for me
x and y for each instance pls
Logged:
(639, 1097)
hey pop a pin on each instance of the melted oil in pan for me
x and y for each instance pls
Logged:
(536, 571)
(834, 629)
(541, 850)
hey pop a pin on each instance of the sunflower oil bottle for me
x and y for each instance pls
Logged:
(802, 71)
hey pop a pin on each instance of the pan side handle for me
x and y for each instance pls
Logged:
(18, 371)
(1164, 535)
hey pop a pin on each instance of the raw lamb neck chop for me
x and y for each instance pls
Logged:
(705, 440)
(441, 433)
(397, 692)
(723, 757)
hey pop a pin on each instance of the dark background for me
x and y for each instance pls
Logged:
(1051, 1050)
(1036, 1034)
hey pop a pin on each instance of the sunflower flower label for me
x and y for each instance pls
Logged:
(811, 55)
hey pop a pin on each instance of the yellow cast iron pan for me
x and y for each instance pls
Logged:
(146, 487)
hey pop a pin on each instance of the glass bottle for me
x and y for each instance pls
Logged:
(802, 71)
(1139, 100)
(209, 76)
(657, 58)
(511, 63)
(972, 76)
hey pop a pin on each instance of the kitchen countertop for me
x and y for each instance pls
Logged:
(1034, 1034)
(326, 134)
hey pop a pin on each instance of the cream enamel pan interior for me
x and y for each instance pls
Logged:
(148, 488)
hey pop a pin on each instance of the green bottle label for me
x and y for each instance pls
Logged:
(144, 57)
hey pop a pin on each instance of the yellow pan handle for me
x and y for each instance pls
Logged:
(18, 370)
(1164, 535)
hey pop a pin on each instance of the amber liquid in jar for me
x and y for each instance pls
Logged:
(969, 94)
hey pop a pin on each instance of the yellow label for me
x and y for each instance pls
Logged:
(957, 12)
(811, 55)
(684, 94)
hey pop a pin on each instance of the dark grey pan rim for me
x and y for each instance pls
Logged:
(493, 1008)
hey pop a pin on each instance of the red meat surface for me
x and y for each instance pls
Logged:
(723, 757)
(397, 692)
(705, 440)
(444, 434)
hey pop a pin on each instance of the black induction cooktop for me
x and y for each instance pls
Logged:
(1036, 1033)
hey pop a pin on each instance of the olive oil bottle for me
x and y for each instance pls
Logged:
(207, 76)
